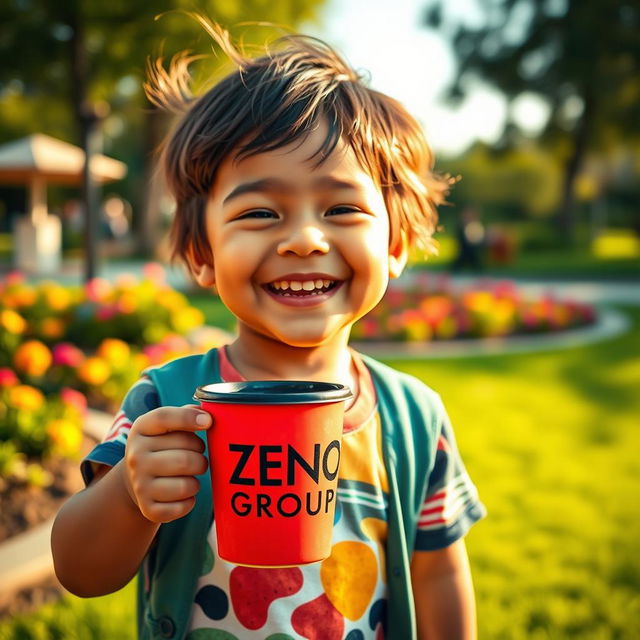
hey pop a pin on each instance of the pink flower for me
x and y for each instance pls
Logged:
(97, 290)
(14, 277)
(7, 377)
(105, 313)
(66, 354)
(505, 289)
(74, 399)
(154, 272)
(155, 353)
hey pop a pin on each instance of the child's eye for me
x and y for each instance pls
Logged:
(342, 209)
(257, 213)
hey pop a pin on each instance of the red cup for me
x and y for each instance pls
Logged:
(274, 452)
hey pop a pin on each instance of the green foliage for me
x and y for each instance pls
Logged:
(523, 182)
(37, 40)
(111, 617)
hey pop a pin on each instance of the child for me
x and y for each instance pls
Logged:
(299, 193)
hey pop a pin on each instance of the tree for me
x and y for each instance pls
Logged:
(581, 56)
(61, 60)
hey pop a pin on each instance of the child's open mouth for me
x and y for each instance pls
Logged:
(301, 288)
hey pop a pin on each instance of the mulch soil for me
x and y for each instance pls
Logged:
(22, 508)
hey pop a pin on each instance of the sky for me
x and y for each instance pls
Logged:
(414, 65)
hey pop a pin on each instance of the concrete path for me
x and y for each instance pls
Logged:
(610, 323)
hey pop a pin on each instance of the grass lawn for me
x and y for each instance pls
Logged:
(552, 442)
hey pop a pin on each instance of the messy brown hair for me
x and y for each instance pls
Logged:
(271, 101)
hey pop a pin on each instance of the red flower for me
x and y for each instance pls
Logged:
(66, 354)
(7, 377)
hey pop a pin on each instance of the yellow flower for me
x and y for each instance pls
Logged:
(33, 358)
(140, 362)
(65, 435)
(479, 301)
(26, 397)
(186, 319)
(114, 351)
(12, 322)
(94, 371)
(52, 327)
(56, 297)
(172, 300)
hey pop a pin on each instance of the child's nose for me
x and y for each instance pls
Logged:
(304, 241)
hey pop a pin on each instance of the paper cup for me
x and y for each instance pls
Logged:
(274, 452)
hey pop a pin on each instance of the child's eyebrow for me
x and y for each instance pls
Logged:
(277, 184)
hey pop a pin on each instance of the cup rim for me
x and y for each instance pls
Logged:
(268, 392)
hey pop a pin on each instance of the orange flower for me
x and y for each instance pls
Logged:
(12, 322)
(20, 296)
(114, 351)
(33, 358)
(52, 327)
(26, 397)
(65, 435)
(127, 302)
(94, 371)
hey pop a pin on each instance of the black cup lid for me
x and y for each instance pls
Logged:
(273, 392)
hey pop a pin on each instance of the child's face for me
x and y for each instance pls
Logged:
(300, 253)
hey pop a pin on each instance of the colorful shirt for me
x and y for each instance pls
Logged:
(345, 594)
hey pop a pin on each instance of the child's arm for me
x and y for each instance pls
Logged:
(443, 594)
(101, 534)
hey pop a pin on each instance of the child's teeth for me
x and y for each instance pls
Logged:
(295, 286)
(284, 285)
(325, 283)
(318, 284)
(309, 285)
(276, 285)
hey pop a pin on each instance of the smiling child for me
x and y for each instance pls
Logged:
(299, 194)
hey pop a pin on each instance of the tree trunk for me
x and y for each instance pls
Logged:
(566, 217)
(149, 223)
(86, 121)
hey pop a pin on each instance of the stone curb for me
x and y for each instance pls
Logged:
(610, 323)
(25, 559)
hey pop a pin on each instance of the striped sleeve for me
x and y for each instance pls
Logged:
(451, 503)
(141, 397)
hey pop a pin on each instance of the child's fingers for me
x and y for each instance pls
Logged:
(172, 463)
(167, 511)
(173, 489)
(167, 419)
(176, 440)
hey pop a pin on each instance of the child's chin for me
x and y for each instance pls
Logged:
(305, 341)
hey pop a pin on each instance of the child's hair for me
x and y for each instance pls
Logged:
(274, 100)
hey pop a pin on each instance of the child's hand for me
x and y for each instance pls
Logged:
(162, 456)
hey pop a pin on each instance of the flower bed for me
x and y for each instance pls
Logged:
(431, 310)
(58, 354)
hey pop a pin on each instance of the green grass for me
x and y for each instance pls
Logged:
(215, 313)
(552, 441)
(548, 262)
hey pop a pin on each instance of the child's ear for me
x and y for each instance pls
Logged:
(398, 255)
(202, 271)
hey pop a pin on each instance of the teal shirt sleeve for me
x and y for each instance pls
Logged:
(141, 398)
